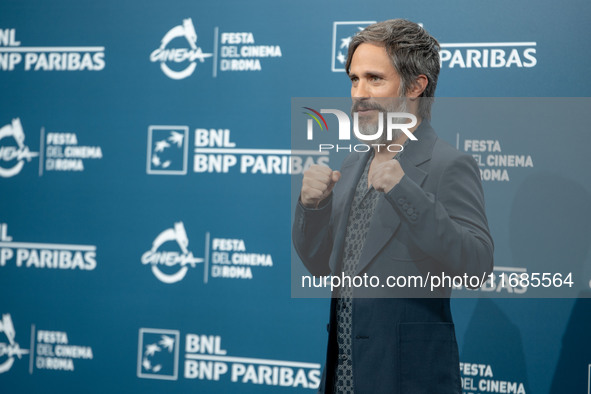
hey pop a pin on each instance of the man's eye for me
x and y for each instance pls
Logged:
(374, 78)
(354, 79)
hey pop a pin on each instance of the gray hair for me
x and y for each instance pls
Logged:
(412, 51)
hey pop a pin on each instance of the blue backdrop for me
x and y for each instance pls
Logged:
(145, 202)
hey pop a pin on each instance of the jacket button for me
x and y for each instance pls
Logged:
(414, 216)
(401, 201)
(405, 206)
(410, 211)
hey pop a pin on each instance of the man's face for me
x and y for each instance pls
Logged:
(375, 85)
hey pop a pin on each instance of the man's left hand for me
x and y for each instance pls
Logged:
(386, 175)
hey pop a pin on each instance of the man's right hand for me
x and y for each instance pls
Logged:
(317, 184)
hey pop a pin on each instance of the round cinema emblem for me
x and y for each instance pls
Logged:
(171, 259)
(11, 349)
(166, 55)
(13, 156)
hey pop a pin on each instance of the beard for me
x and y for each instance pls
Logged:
(369, 124)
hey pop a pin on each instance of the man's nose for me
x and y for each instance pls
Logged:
(360, 90)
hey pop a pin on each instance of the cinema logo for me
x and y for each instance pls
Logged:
(225, 258)
(184, 59)
(13, 151)
(44, 255)
(58, 58)
(204, 358)
(395, 122)
(488, 55)
(171, 266)
(59, 152)
(9, 350)
(51, 350)
(215, 152)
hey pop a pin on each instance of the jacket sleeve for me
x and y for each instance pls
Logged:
(451, 226)
(312, 236)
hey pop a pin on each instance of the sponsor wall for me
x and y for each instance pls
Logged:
(145, 191)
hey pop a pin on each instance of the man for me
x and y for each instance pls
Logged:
(417, 212)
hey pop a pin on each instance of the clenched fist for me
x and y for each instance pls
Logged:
(384, 176)
(317, 184)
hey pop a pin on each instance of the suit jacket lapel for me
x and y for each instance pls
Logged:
(385, 221)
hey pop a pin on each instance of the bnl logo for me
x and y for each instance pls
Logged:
(342, 33)
(168, 150)
(158, 354)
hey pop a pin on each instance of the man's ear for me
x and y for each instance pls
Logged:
(418, 87)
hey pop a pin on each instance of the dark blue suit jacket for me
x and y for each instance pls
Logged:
(432, 222)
